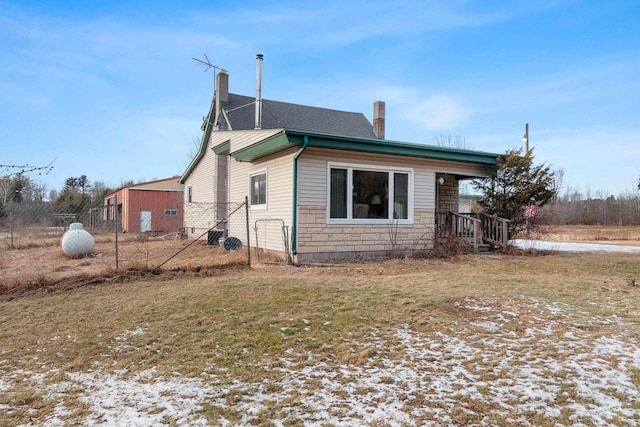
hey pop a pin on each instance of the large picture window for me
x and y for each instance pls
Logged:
(258, 190)
(369, 194)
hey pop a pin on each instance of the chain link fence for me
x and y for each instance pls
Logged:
(32, 224)
(44, 243)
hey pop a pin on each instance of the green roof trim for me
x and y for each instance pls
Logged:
(296, 138)
(263, 148)
(222, 148)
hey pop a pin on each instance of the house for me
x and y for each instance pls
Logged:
(337, 185)
(150, 206)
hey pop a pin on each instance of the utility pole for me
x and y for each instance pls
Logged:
(525, 138)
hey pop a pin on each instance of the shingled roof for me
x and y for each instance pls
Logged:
(240, 111)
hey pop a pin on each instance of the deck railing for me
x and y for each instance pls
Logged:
(495, 229)
(460, 226)
(474, 230)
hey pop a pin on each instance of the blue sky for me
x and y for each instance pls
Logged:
(110, 89)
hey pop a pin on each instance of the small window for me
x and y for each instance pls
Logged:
(171, 212)
(258, 189)
(189, 195)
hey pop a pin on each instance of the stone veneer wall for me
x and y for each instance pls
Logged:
(319, 241)
(448, 194)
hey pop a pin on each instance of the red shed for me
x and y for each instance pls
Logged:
(148, 206)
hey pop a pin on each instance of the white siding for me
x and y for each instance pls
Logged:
(199, 215)
(312, 172)
(279, 170)
(202, 180)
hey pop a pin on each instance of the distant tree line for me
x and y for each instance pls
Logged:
(31, 202)
(19, 192)
(575, 208)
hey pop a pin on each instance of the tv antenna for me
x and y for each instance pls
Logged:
(208, 64)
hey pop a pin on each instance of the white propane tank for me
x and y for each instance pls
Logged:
(76, 241)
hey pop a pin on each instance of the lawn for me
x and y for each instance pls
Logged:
(478, 340)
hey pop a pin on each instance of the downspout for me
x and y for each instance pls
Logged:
(294, 227)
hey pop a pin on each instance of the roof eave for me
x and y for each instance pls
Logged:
(289, 139)
(393, 148)
(266, 147)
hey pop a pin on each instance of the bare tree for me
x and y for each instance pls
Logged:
(452, 141)
(558, 181)
(39, 191)
(196, 143)
(460, 143)
(5, 189)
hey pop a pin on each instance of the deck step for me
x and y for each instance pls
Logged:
(484, 247)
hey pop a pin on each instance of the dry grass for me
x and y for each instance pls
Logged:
(38, 266)
(256, 326)
(627, 235)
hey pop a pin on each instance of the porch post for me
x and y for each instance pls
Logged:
(475, 237)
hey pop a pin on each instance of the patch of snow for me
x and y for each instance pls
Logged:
(141, 399)
(545, 245)
(123, 338)
(527, 364)
(126, 334)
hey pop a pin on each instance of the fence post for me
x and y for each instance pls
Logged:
(11, 226)
(246, 210)
(115, 225)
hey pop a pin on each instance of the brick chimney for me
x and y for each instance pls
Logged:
(222, 94)
(378, 119)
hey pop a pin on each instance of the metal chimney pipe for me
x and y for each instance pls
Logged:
(259, 91)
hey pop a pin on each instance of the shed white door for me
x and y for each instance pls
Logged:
(145, 221)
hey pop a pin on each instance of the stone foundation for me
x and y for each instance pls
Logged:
(319, 241)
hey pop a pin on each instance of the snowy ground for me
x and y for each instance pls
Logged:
(572, 247)
(514, 361)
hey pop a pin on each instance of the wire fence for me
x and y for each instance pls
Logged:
(41, 242)
(272, 240)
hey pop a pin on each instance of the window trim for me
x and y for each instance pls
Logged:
(262, 206)
(390, 170)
